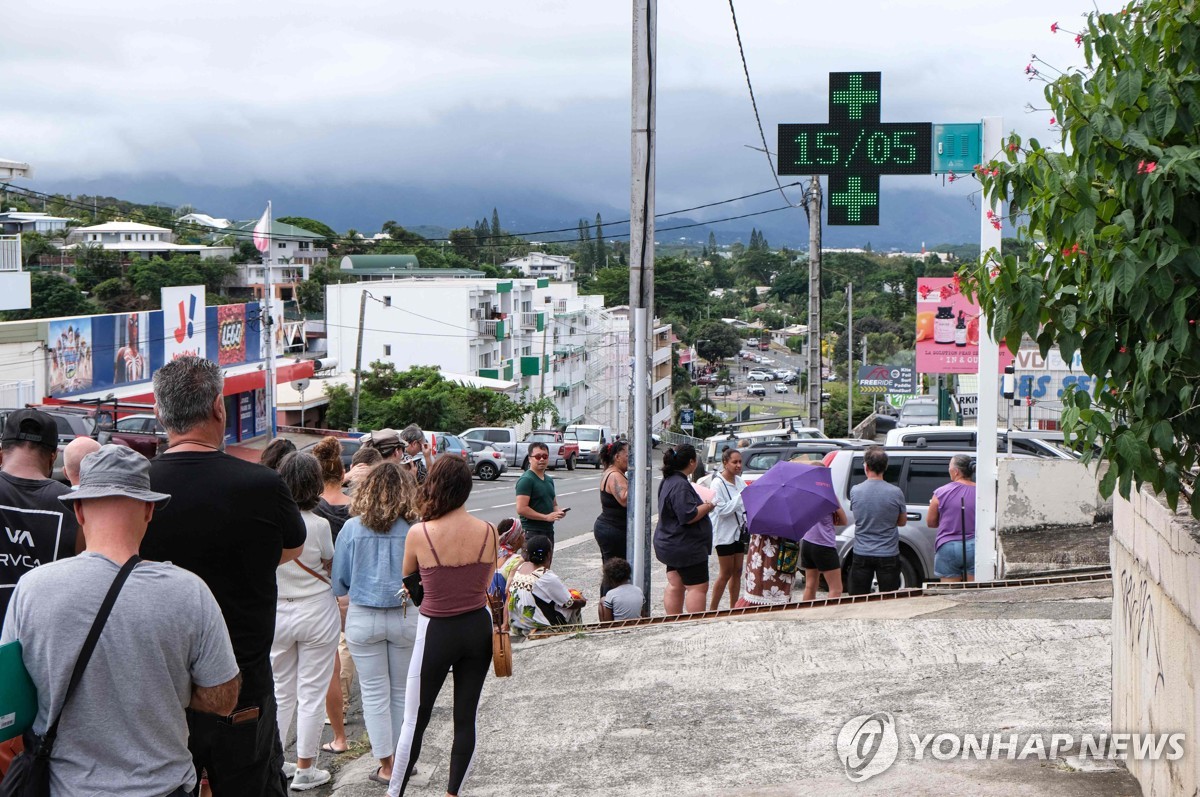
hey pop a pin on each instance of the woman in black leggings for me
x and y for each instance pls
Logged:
(456, 555)
(614, 496)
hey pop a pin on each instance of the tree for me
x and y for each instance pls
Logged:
(716, 340)
(496, 230)
(52, 296)
(465, 243)
(679, 290)
(1117, 212)
(833, 409)
(613, 284)
(587, 254)
(33, 246)
(326, 232)
(600, 250)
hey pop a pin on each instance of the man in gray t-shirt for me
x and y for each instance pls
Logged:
(164, 648)
(879, 511)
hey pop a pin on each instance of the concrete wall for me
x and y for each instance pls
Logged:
(1156, 635)
(1036, 493)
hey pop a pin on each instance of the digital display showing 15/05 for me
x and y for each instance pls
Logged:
(850, 147)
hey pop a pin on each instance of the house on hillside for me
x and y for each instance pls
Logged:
(204, 220)
(15, 222)
(131, 238)
(559, 268)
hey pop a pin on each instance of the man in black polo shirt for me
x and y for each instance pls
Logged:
(232, 523)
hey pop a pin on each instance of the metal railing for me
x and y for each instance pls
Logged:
(529, 320)
(676, 439)
(10, 253)
(488, 328)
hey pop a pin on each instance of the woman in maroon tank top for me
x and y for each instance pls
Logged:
(456, 556)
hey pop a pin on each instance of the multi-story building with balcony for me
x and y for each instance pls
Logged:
(130, 238)
(488, 331)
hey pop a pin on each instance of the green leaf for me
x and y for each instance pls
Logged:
(1163, 435)
(1067, 317)
(1163, 116)
(1125, 274)
(1129, 87)
(1108, 481)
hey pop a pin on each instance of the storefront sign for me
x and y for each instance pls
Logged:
(948, 329)
(886, 379)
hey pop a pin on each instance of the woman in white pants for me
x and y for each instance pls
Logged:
(307, 624)
(381, 627)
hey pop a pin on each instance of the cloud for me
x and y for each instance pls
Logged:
(472, 94)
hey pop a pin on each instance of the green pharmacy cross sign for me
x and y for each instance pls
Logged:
(854, 148)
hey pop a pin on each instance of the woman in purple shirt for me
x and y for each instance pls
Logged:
(818, 554)
(952, 513)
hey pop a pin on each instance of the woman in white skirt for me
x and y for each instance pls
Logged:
(307, 625)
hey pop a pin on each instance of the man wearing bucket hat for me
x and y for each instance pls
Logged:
(163, 649)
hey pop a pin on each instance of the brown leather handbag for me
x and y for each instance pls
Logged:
(501, 643)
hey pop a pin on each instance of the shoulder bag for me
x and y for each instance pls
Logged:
(501, 643)
(29, 774)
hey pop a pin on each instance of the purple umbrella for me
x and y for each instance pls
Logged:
(789, 499)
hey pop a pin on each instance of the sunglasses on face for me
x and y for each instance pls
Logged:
(541, 456)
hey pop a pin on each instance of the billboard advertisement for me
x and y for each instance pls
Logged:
(183, 322)
(948, 329)
(95, 353)
(131, 348)
(70, 355)
(886, 379)
(231, 334)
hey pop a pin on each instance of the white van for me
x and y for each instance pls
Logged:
(592, 438)
(918, 411)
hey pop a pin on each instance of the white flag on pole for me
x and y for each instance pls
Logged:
(262, 231)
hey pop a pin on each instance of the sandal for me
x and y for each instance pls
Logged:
(329, 748)
(375, 776)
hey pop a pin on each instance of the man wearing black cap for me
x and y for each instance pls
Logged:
(163, 648)
(37, 528)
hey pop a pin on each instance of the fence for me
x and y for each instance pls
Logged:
(18, 393)
(10, 253)
(675, 439)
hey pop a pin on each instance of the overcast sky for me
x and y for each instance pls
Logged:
(524, 93)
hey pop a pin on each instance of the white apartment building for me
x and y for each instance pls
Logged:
(579, 353)
(134, 238)
(620, 370)
(559, 268)
(489, 328)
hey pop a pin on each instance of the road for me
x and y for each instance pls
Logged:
(578, 489)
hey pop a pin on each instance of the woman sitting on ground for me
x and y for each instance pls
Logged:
(537, 597)
(512, 541)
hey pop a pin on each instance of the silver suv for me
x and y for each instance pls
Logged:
(917, 473)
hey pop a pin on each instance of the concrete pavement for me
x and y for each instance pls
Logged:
(752, 706)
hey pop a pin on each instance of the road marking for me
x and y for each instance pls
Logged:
(590, 490)
(572, 493)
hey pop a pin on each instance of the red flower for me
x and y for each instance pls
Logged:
(1146, 167)
(1079, 40)
(1122, 350)
(990, 214)
(1054, 28)
(1053, 121)
(1012, 147)
(996, 223)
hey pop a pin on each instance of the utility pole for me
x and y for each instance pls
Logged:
(849, 357)
(362, 321)
(641, 282)
(814, 302)
(268, 290)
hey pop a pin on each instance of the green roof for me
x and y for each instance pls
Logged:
(279, 230)
(378, 262)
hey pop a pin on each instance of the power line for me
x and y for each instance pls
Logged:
(195, 228)
(754, 104)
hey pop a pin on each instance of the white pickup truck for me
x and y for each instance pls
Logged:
(564, 451)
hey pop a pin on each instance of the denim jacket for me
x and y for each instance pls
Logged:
(369, 566)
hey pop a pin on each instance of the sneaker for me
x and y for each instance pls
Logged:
(289, 770)
(310, 778)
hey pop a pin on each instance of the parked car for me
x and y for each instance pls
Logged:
(446, 443)
(752, 342)
(963, 438)
(918, 411)
(592, 438)
(780, 387)
(704, 379)
(141, 432)
(486, 461)
(722, 390)
(917, 473)
(350, 446)
(756, 389)
(760, 376)
(761, 457)
(714, 447)
(504, 439)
